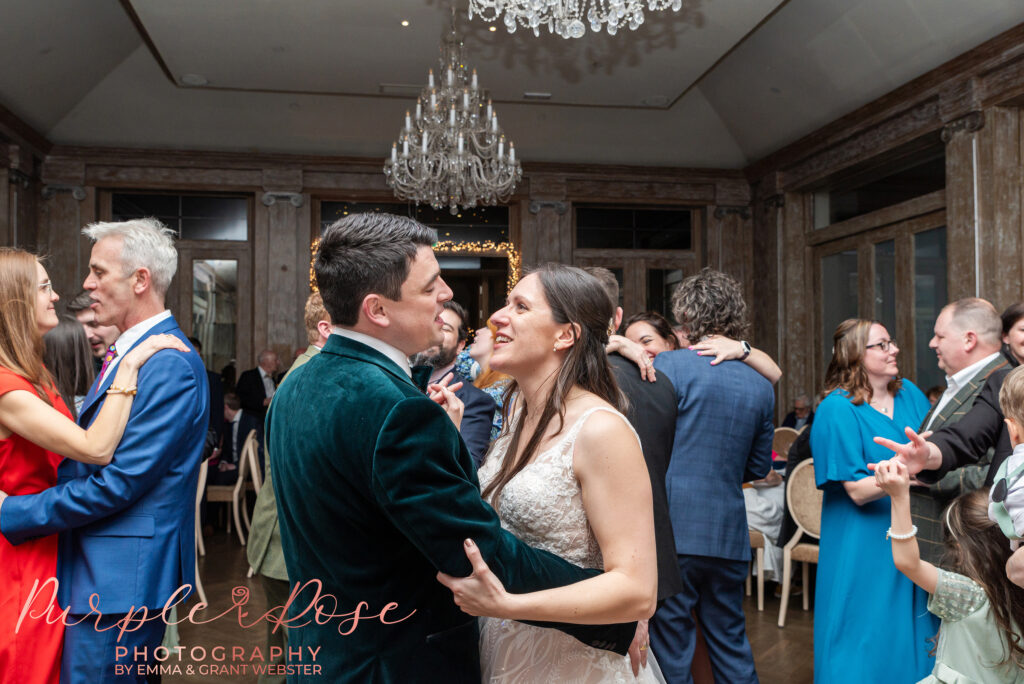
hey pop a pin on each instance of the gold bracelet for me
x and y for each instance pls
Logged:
(114, 389)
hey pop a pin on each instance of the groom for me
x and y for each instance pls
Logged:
(378, 493)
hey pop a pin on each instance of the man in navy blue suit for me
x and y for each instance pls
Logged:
(479, 412)
(127, 529)
(723, 438)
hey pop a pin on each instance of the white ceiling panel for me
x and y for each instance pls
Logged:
(55, 51)
(326, 46)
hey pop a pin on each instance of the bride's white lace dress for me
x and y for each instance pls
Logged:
(543, 506)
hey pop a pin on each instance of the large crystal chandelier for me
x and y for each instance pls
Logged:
(452, 151)
(566, 17)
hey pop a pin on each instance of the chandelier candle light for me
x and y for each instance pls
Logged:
(452, 152)
(565, 17)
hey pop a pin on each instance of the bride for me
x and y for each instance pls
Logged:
(566, 475)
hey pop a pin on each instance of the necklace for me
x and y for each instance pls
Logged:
(880, 407)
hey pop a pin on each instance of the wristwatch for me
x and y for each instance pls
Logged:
(746, 350)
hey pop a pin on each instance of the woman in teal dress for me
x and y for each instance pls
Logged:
(863, 606)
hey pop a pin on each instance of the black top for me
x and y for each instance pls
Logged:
(652, 412)
(968, 439)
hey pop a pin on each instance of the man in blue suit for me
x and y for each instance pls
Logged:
(723, 438)
(127, 529)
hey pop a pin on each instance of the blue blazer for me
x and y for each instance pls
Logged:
(128, 529)
(476, 419)
(724, 430)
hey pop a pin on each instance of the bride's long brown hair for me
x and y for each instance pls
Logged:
(575, 297)
(21, 344)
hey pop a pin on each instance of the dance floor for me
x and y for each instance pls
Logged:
(783, 656)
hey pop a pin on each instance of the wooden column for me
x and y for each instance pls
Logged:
(546, 222)
(281, 262)
(798, 352)
(1000, 218)
(19, 185)
(962, 171)
(66, 206)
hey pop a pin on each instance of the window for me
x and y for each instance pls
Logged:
(479, 224)
(627, 228)
(923, 174)
(192, 217)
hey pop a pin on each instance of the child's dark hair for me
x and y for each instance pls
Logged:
(978, 549)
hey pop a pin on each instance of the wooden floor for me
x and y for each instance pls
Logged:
(782, 656)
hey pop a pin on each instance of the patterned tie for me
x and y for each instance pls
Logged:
(110, 356)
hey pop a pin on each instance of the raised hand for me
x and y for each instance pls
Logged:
(892, 477)
(635, 353)
(481, 593)
(151, 345)
(917, 454)
(444, 395)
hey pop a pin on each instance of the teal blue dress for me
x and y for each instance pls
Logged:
(871, 624)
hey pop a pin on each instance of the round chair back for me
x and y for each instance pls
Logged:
(804, 498)
(784, 438)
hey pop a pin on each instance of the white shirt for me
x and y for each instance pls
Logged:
(234, 435)
(377, 345)
(268, 383)
(130, 336)
(438, 374)
(956, 382)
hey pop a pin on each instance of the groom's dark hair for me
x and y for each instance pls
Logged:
(364, 254)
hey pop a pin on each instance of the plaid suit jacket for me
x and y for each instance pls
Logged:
(928, 503)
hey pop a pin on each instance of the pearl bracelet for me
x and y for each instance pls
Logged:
(114, 389)
(889, 534)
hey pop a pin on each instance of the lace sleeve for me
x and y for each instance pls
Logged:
(955, 596)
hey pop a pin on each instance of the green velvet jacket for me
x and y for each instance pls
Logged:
(376, 493)
(264, 548)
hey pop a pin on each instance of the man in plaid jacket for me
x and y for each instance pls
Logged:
(967, 342)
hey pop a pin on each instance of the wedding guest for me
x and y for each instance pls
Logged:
(1013, 333)
(238, 423)
(980, 608)
(256, 386)
(479, 406)
(263, 550)
(375, 501)
(37, 430)
(577, 486)
(100, 337)
(139, 508)
(801, 414)
(213, 379)
(723, 437)
(865, 396)
(652, 332)
(966, 342)
(68, 358)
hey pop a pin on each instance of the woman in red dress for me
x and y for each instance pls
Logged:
(36, 432)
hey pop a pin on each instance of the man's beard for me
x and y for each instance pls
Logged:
(442, 358)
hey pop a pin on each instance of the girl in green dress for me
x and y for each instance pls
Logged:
(981, 610)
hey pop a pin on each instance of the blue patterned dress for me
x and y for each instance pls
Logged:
(871, 624)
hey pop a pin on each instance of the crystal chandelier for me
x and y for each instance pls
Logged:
(566, 17)
(452, 151)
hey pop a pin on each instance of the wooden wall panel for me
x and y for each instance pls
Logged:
(798, 352)
(1001, 188)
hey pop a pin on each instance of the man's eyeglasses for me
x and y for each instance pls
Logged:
(883, 345)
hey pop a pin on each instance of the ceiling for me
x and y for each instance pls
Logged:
(720, 84)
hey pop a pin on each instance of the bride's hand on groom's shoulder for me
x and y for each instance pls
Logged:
(481, 593)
